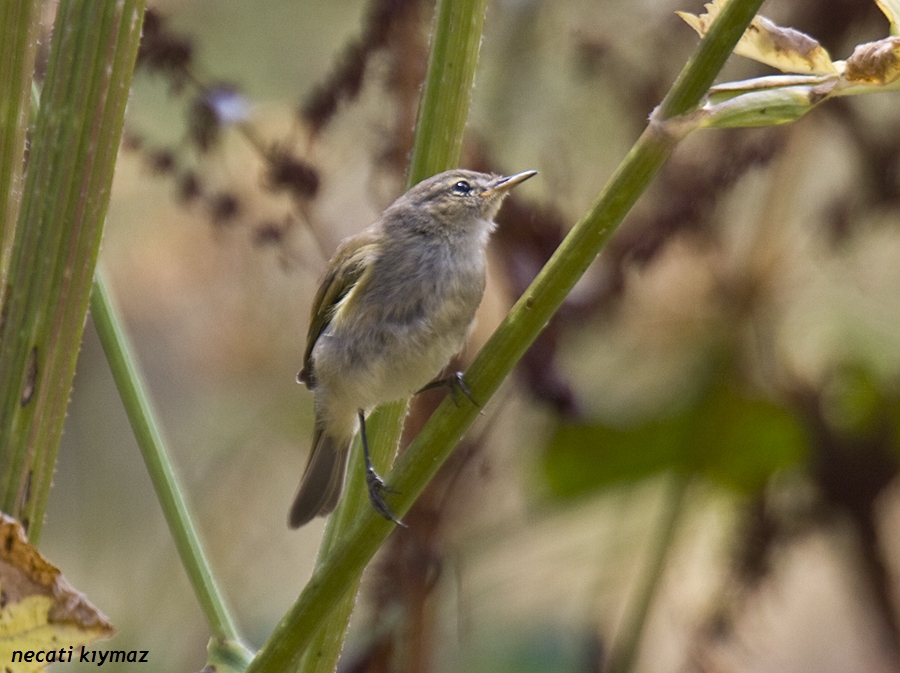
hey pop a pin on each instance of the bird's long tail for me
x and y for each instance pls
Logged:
(323, 480)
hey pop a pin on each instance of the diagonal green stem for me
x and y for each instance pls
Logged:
(701, 70)
(423, 458)
(541, 300)
(131, 387)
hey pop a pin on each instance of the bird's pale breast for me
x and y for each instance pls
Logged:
(409, 317)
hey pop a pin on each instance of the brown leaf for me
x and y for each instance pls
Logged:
(786, 49)
(874, 62)
(39, 609)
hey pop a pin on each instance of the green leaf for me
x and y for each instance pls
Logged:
(584, 458)
(741, 441)
(764, 107)
(725, 436)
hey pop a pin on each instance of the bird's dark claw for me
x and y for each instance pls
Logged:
(374, 482)
(376, 488)
(457, 385)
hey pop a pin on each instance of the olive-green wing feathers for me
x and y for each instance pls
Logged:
(348, 265)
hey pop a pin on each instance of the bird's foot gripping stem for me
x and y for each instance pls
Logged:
(457, 385)
(374, 482)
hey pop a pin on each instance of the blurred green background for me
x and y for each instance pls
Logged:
(700, 454)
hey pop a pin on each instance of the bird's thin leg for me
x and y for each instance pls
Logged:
(456, 383)
(374, 481)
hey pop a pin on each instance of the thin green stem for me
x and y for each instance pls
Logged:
(420, 462)
(440, 128)
(700, 71)
(540, 301)
(625, 648)
(140, 412)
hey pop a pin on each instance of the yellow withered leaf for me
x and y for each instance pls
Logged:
(702, 23)
(786, 49)
(42, 618)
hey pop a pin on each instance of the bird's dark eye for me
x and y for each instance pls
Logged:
(462, 188)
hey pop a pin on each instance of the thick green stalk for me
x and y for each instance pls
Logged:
(419, 463)
(65, 196)
(444, 107)
(20, 21)
(440, 127)
(131, 387)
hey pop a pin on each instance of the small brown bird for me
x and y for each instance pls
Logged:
(396, 304)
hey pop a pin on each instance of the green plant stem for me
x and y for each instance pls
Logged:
(701, 70)
(420, 462)
(383, 429)
(64, 201)
(440, 129)
(447, 93)
(131, 388)
(20, 22)
(622, 657)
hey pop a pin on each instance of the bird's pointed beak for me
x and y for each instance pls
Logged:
(503, 185)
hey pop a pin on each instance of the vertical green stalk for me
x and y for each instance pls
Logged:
(419, 463)
(444, 108)
(383, 429)
(20, 21)
(64, 202)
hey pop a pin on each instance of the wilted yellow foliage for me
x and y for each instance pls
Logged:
(786, 49)
(874, 62)
(42, 617)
